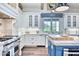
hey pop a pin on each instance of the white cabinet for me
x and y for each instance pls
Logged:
(35, 40)
(71, 20)
(31, 19)
(22, 41)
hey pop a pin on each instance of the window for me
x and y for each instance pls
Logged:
(55, 26)
(69, 21)
(36, 21)
(30, 21)
(47, 26)
(51, 26)
(74, 21)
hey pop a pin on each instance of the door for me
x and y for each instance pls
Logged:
(47, 25)
(55, 26)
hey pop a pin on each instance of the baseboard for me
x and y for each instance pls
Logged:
(40, 46)
(34, 46)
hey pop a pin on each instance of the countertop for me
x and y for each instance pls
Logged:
(33, 34)
(63, 42)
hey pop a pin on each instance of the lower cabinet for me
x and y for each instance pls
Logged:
(68, 50)
(35, 40)
(58, 51)
(49, 48)
(22, 42)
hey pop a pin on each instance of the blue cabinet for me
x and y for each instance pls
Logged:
(54, 50)
(58, 51)
(49, 48)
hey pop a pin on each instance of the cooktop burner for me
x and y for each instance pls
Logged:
(5, 38)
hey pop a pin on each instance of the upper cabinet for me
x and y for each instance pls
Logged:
(28, 20)
(34, 20)
(71, 20)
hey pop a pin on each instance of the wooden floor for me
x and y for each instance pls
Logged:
(34, 51)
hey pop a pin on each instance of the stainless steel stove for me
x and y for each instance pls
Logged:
(8, 43)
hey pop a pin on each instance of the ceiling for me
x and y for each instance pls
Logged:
(31, 6)
(74, 5)
(37, 6)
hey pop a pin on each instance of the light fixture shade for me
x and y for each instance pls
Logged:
(62, 7)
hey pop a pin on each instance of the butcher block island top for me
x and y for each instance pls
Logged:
(61, 40)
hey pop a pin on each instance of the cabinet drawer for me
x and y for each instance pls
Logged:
(31, 43)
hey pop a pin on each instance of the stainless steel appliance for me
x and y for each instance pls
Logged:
(9, 44)
(16, 47)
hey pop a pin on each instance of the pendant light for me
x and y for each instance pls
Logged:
(62, 7)
(52, 7)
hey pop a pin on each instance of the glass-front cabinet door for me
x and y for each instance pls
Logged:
(74, 21)
(69, 21)
(36, 21)
(30, 21)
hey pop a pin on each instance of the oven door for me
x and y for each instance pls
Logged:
(16, 48)
(8, 53)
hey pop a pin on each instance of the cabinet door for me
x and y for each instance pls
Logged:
(68, 21)
(22, 41)
(71, 20)
(74, 21)
(30, 40)
(59, 51)
(36, 21)
(30, 21)
(39, 40)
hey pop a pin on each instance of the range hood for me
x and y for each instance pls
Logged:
(8, 10)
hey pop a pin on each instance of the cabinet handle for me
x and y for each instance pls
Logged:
(32, 38)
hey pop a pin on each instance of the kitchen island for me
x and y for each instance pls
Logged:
(62, 47)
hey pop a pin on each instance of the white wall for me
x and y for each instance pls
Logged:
(22, 21)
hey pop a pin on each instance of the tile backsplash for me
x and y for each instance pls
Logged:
(5, 27)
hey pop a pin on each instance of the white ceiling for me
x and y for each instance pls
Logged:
(74, 5)
(31, 6)
(37, 6)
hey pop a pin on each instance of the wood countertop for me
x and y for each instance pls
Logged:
(60, 42)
